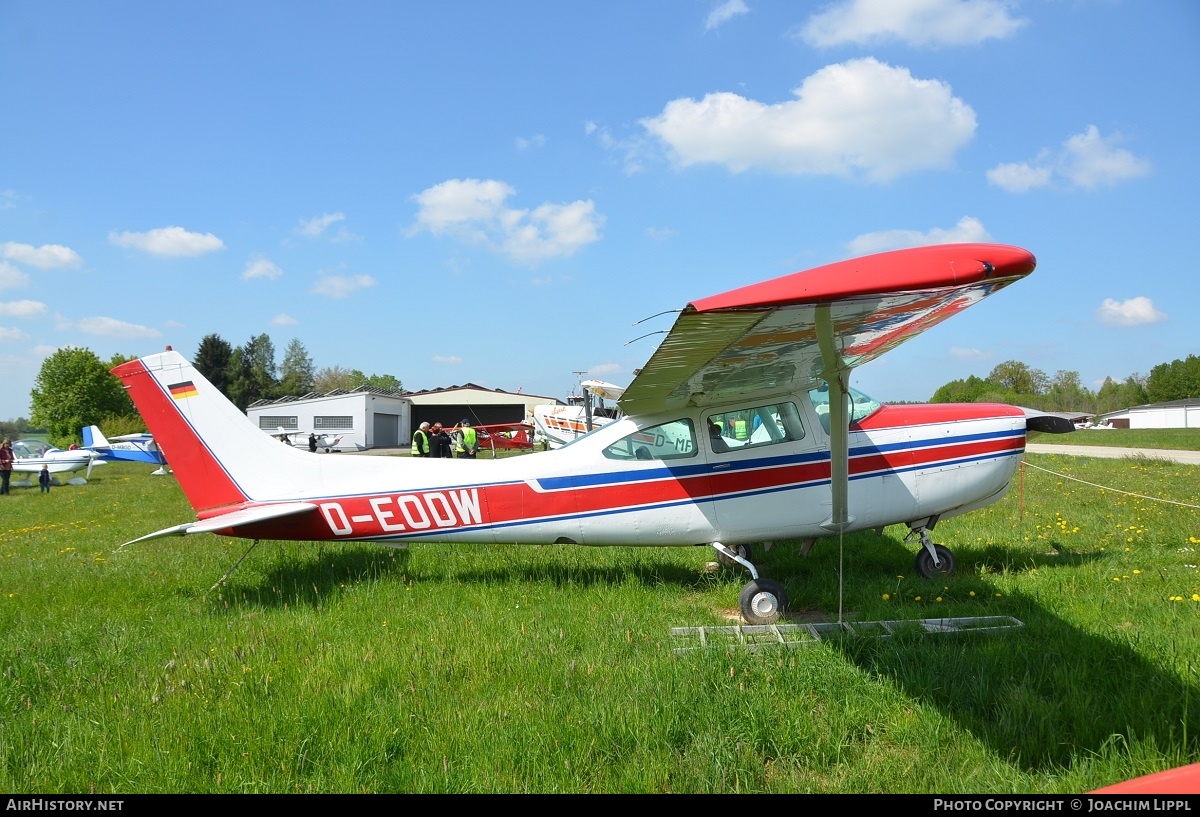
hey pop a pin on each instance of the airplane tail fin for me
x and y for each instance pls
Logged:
(219, 457)
(93, 438)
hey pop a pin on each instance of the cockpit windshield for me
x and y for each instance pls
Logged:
(861, 405)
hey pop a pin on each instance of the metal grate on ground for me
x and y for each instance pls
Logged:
(763, 636)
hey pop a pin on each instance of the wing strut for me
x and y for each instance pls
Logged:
(836, 373)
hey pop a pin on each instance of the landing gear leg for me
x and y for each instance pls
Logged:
(932, 559)
(762, 600)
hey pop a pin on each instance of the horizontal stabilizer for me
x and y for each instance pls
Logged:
(249, 516)
(1045, 422)
(234, 519)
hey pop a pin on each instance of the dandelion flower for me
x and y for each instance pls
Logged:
(887, 597)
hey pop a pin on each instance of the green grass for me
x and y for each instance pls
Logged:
(323, 668)
(1180, 439)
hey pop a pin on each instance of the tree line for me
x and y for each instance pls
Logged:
(1017, 384)
(248, 373)
(74, 388)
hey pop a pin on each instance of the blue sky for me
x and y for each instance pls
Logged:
(496, 192)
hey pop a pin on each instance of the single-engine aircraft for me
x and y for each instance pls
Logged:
(31, 455)
(559, 425)
(329, 442)
(504, 437)
(126, 447)
(741, 428)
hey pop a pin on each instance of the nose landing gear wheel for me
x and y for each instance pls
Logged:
(926, 569)
(763, 601)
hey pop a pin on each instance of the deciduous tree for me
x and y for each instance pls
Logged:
(74, 389)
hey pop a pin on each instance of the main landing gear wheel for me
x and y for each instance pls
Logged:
(763, 601)
(738, 550)
(926, 569)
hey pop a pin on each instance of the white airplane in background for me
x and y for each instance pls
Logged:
(329, 442)
(31, 455)
(559, 425)
(741, 428)
(128, 447)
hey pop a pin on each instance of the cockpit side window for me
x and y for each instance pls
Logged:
(861, 405)
(668, 441)
(753, 427)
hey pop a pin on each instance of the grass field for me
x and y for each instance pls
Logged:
(1181, 439)
(321, 668)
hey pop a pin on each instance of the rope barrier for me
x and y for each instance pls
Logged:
(1108, 488)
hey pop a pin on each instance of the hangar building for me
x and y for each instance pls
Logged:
(378, 418)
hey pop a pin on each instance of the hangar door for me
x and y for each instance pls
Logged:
(387, 430)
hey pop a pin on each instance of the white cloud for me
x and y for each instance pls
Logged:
(1019, 177)
(1092, 160)
(659, 233)
(173, 242)
(11, 277)
(1087, 160)
(860, 117)
(967, 354)
(340, 286)
(914, 22)
(22, 309)
(14, 335)
(968, 230)
(536, 141)
(47, 256)
(632, 152)
(315, 226)
(261, 268)
(606, 369)
(1137, 311)
(283, 319)
(474, 211)
(724, 13)
(447, 359)
(113, 328)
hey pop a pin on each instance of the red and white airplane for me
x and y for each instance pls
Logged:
(504, 437)
(741, 428)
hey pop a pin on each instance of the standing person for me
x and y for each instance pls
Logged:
(6, 465)
(420, 441)
(435, 441)
(312, 441)
(445, 445)
(468, 441)
(44, 479)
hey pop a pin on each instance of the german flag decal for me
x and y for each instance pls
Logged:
(182, 390)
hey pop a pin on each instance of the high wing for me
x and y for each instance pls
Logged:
(790, 333)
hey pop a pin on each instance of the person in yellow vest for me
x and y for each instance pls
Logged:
(420, 441)
(468, 441)
(739, 428)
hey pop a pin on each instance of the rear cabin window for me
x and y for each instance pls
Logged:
(669, 441)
